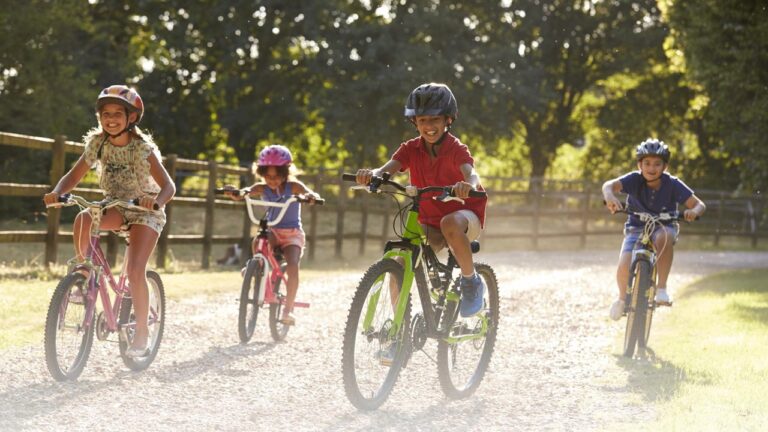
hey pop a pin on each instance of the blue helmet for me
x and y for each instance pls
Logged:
(652, 147)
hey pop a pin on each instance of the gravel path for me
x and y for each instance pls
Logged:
(555, 367)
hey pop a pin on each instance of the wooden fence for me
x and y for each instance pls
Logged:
(531, 209)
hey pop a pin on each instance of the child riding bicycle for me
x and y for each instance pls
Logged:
(438, 158)
(129, 167)
(275, 167)
(652, 190)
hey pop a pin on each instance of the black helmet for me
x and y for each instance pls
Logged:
(431, 100)
(652, 147)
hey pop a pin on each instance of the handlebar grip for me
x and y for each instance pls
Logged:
(320, 201)
(136, 201)
(478, 194)
(349, 177)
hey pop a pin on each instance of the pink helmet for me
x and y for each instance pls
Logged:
(275, 155)
(122, 95)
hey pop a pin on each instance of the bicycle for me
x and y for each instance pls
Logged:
(380, 336)
(71, 320)
(640, 300)
(257, 290)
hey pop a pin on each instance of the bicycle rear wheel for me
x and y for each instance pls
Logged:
(373, 354)
(463, 357)
(68, 338)
(638, 325)
(278, 329)
(249, 299)
(155, 323)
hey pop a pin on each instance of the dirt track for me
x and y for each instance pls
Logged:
(555, 366)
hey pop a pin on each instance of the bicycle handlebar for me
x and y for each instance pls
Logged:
(67, 200)
(376, 181)
(244, 193)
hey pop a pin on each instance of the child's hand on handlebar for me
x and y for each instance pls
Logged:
(149, 202)
(51, 198)
(311, 197)
(234, 193)
(461, 189)
(690, 215)
(613, 204)
(363, 176)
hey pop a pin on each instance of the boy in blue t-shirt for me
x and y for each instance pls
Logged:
(654, 191)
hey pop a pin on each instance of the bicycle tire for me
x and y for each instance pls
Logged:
(156, 323)
(67, 367)
(634, 336)
(363, 392)
(456, 380)
(278, 330)
(249, 299)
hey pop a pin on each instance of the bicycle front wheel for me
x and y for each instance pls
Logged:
(463, 356)
(373, 351)
(155, 324)
(249, 299)
(68, 337)
(279, 330)
(638, 324)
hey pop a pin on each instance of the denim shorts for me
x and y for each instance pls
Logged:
(632, 235)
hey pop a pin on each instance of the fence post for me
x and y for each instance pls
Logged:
(754, 225)
(719, 225)
(313, 216)
(340, 216)
(162, 242)
(54, 214)
(245, 241)
(112, 248)
(210, 199)
(363, 225)
(537, 192)
(585, 214)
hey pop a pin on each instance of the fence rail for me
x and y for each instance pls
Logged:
(519, 208)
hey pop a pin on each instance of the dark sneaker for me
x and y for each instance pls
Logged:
(472, 291)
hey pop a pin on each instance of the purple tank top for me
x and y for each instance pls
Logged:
(292, 217)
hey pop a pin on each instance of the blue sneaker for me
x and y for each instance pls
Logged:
(472, 291)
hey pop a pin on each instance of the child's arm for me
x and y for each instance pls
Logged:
(610, 189)
(68, 181)
(364, 174)
(471, 181)
(256, 189)
(300, 188)
(694, 208)
(161, 176)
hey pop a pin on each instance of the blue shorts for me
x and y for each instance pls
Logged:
(632, 235)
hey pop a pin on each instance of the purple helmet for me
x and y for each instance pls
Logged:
(275, 155)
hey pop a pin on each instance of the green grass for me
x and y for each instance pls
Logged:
(709, 366)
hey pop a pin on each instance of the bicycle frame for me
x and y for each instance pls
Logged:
(100, 274)
(265, 252)
(645, 250)
(416, 254)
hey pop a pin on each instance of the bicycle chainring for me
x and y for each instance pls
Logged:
(101, 327)
(418, 332)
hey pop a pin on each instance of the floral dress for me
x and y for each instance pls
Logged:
(124, 173)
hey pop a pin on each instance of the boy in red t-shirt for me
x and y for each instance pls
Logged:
(437, 158)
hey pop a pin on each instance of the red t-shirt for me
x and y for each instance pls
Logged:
(440, 171)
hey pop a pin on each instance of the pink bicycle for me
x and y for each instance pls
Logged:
(264, 281)
(72, 320)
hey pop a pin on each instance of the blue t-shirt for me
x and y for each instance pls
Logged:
(292, 216)
(641, 198)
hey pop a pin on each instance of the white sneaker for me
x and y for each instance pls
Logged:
(617, 310)
(662, 297)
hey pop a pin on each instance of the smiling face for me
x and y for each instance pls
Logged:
(114, 118)
(273, 178)
(431, 128)
(651, 167)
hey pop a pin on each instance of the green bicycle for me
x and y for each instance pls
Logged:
(381, 334)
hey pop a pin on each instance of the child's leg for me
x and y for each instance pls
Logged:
(292, 254)
(622, 273)
(143, 240)
(454, 227)
(664, 240)
(81, 229)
